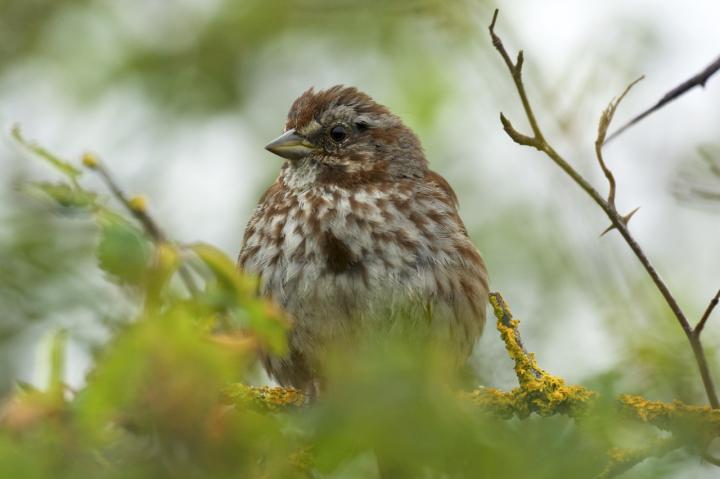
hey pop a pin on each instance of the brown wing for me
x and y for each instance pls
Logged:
(246, 250)
(469, 277)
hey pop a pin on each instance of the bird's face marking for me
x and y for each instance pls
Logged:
(342, 132)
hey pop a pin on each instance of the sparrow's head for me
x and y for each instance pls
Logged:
(343, 132)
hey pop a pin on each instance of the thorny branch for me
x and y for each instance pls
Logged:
(698, 80)
(618, 221)
(139, 212)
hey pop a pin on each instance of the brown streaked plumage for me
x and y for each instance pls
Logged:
(355, 229)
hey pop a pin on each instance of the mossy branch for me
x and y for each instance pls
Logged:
(538, 391)
(622, 460)
(263, 398)
(541, 393)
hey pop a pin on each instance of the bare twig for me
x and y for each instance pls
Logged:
(605, 119)
(516, 71)
(617, 220)
(701, 324)
(698, 80)
(140, 214)
(603, 125)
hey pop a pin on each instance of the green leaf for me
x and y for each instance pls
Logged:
(62, 166)
(246, 309)
(25, 387)
(267, 321)
(221, 266)
(66, 195)
(124, 252)
(165, 262)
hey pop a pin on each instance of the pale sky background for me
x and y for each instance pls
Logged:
(203, 176)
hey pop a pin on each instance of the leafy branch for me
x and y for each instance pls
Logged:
(251, 320)
(137, 207)
(618, 221)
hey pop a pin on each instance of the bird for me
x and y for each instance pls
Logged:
(357, 234)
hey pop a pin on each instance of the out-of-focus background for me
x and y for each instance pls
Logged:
(180, 97)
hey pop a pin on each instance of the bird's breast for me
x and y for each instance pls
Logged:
(332, 238)
(336, 258)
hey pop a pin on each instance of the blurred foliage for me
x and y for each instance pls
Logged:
(698, 181)
(202, 56)
(165, 398)
(166, 393)
(23, 23)
(123, 252)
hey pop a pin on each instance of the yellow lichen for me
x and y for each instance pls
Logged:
(501, 403)
(620, 460)
(265, 398)
(539, 392)
(699, 423)
(302, 459)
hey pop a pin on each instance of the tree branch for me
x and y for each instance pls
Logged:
(698, 80)
(516, 71)
(622, 460)
(701, 324)
(617, 220)
(138, 210)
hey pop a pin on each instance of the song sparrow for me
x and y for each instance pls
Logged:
(357, 232)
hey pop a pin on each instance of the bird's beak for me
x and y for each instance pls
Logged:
(291, 145)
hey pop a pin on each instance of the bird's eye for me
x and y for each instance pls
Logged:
(338, 133)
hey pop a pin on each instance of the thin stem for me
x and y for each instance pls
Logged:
(697, 80)
(516, 71)
(605, 119)
(538, 141)
(701, 324)
(608, 174)
(151, 228)
(148, 223)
